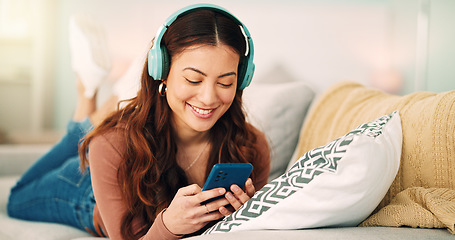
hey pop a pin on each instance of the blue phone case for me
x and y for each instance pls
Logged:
(226, 174)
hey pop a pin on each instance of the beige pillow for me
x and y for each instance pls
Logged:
(428, 123)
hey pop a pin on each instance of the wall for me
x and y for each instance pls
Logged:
(423, 52)
(379, 43)
(319, 42)
(26, 66)
(441, 48)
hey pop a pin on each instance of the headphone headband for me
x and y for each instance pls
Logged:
(158, 63)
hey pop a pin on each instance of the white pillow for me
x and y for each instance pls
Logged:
(339, 184)
(278, 109)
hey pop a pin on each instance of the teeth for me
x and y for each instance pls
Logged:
(202, 111)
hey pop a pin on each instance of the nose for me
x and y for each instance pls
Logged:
(208, 94)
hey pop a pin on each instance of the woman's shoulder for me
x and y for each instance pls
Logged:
(112, 140)
(261, 139)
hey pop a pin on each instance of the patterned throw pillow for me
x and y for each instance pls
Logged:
(339, 184)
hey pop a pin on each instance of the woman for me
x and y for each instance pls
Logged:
(149, 160)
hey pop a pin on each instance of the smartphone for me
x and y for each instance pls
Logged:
(226, 174)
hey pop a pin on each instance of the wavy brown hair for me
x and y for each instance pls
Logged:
(149, 175)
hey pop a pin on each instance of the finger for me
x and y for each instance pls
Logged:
(209, 194)
(239, 194)
(233, 200)
(225, 211)
(209, 214)
(249, 188)
(215, 205)
(206, 209)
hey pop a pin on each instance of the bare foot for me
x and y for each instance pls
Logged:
(105, 110)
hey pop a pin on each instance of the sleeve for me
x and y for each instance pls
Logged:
(263, 163)
(104, 158)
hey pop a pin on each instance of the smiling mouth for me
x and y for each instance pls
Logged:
(200, 110)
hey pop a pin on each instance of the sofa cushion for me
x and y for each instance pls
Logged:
(338, 184)
(15, 159)
(428, 154)
(351, 233)
(278, 109)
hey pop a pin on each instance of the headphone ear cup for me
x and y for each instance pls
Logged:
(241, 75)
(248, 75)
(155, 63)
(165, 61)
(245, 74)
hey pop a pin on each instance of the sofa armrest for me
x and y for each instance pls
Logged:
(17, 158)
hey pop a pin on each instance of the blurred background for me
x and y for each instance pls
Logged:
(399, 46)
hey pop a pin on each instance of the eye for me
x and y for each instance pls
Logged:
(225, 85)
(191, 81)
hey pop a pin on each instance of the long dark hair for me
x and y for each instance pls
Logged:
(149, 175)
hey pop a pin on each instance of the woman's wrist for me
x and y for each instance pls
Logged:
(166, 226)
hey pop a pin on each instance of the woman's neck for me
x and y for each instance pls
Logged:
(192, 155)
(190, 139)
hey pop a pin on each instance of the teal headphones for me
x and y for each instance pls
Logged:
(158, 58)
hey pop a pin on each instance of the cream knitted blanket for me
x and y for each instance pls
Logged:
(423, 193)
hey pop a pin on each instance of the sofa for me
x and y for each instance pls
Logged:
(420, 203)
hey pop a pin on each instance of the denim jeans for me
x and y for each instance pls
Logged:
(54, 189)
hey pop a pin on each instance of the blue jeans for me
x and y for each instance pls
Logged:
(54, 189)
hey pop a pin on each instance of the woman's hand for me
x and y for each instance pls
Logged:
(186, 215)
(238, 197)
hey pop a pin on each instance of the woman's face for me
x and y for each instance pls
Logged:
(201, 86)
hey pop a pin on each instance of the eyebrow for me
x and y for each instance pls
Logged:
(205, 75)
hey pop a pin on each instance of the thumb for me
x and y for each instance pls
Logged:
(190, 190)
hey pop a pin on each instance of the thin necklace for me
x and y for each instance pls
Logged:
(197, 158)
